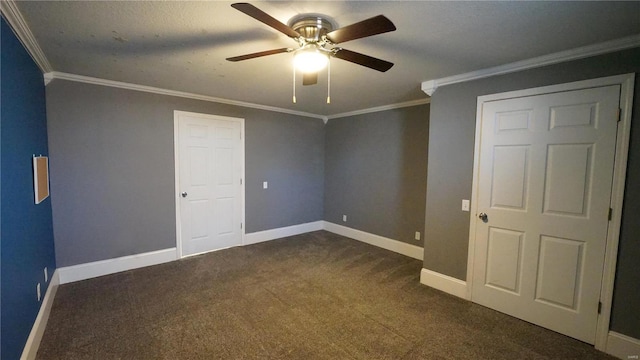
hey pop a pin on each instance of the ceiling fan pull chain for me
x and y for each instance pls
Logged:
(294, 84)
(329, 81)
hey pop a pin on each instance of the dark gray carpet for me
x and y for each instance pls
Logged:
(312, 296)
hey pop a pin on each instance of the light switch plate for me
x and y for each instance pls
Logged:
(265, 185)
(417, 235)
(465, 205)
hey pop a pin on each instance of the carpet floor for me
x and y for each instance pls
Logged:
(311, 296)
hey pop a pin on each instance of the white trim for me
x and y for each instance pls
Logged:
(413, 251)
(48, 77)
(266, 235)
(448, 284)
(429, 87)
(176, 170)
(37, 331)
(176, 148)
(629, 42)
(21, 29)
(380, 108)
(105, 267)
(90, 270)
(243, 198)
(622, 346)
(626, 81)
(150, 89)
(617, 198)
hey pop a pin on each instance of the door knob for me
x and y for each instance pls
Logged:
(483, 217)
(184, 194)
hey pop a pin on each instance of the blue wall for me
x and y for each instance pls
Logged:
(26, 228)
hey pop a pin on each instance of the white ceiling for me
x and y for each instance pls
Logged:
(182, 46)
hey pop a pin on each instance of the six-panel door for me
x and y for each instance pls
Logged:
(210, 183)
(545, 176)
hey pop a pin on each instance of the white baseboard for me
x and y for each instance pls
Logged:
(37, 331)
(266, 235)
(105, 267)
(448, 284)
(110, 266)
(400, 247)
(622, 346)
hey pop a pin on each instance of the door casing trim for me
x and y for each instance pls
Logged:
(626, 83)
(176, 148)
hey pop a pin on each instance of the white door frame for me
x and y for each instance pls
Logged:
(176, 148)
(626, 82)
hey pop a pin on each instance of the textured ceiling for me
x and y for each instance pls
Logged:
(183, 45)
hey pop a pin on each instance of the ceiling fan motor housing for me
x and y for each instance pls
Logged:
(311, 27)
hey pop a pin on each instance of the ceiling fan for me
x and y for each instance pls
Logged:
(316, 39)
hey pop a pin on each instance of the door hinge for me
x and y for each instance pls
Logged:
(619, 112)
(241, 181)
(240, 225)
(610, 214)
(599, 307)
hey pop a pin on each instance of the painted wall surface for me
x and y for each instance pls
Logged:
(27, 233)
(112, 169)
(451, 145)
(375, 172)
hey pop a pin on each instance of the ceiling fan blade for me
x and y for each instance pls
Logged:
(364, 60)
(309, 78)
(373, 26)
(258, 54)
(262, 16)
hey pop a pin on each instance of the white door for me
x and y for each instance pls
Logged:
(544, 183)
(209, 182)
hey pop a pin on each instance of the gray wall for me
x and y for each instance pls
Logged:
(112, 169)
(375, 172)
(451, 142)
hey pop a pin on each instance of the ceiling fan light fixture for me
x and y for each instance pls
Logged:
(310, 60)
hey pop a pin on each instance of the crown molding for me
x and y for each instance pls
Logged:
(21, 29)
(48, 77)
(380, 108)
(430, 86)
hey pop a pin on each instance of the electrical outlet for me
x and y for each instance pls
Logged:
(46, 275)
(38, 291)
(465, 205)
(265, 185)
(344, 218)
(417, 235)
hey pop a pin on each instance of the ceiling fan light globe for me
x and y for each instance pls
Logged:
(310, 61)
